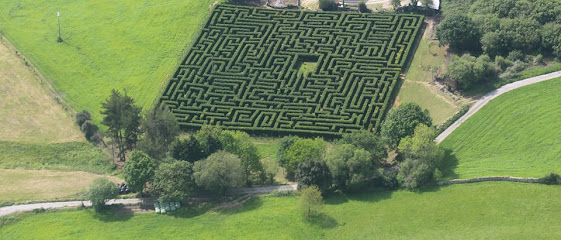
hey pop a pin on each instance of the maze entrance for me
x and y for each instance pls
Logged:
(244, 71)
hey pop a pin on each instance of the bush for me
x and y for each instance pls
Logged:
(388, 177)
(401, 122)
(515, 55)
(316, 173)
(219, 172)
(414, 174)
(173, 181)
(468, 70)
(551, 179)
(187, 150)
(101, 190)
(310, 201)
(89, 129)
(362, 7)
(502, 62)
(82, 117)
(138, 170)
(328, 5)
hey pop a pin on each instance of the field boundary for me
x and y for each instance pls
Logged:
(490, 179)
(492, 95)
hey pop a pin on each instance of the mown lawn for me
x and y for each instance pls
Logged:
(125, 45)
(471, 211)
(516, 134)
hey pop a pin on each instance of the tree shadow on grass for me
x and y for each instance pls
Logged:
(249, 205)
(322, 220)
(112, 213)
(449, 165)
(372, 195)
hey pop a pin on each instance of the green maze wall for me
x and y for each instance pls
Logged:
(242, 71)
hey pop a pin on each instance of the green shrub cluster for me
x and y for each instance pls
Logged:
(242, 71)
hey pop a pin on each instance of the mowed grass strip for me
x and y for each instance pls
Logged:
(128, 44)
(470, 211)
(20, 185)
(516, 134)
(27, 112)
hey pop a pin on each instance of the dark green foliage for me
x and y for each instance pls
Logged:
(138, 170)
(327, 5)
(101, 190)
(401, 122)
(82, 117)
(468, 70)
(388, 177)
(240, 144)
(460, 32)
(314, 172)
(160, 130)
(368, 141)
(414, 173)
(492, 44)
(187, 150)
(219, 172)
(122, 117)
(261, 91)
(209, 139)
(551, 38)
(173, 181)
(362, 7)
(350, 166)
(300, 150)
(551, 179)
(89, 129)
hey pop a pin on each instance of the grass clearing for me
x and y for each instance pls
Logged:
(471, 211)
(27, 112)
(81, 156)
(418, 87)
(127, 44)
(516, 134)
(20, 185)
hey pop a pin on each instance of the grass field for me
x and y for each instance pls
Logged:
(27, 112)
(471, 211)
(516, 134)
(126, 45)
(417, 86)
(20, 185)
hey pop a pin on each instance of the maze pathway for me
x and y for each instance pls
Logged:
(243, 70)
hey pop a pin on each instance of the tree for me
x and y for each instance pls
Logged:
(313, 172)
(189, 150)
(240, 144)
(551, 38)
(401, 122)
(89, 129)
(82, 117)
(349, 166)
(160, 130)
(327, 5)
(301, 150)
(285, 143)
(138, 170)
(310, 201)
(101, 190)
(467, 70)
(396, 4)
(209, 138)
(422, 157)
(173, 181)
(122, 117)
(460, 32)
(362, 7)
(368, 141)
(492, 44)
(219, 172)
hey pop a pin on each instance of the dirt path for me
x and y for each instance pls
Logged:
(133, 201)
(492, 95)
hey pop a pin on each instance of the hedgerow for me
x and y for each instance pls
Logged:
(242, 71)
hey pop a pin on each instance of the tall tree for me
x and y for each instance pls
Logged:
(160, 130)
(240, 144)
(314, 172)
(301, 150)
(138, 170)
(401, 122)
(219, 172)
(122, 117)
(209, 138)
(368, 141)
(189, 150)
(173, 181)
(459, 32)
(350, 166)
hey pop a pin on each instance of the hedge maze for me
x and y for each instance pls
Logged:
(243, 70)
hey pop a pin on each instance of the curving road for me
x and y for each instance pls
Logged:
(492, 95)
(131, 201)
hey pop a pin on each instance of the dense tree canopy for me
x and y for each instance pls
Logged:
(468, 70)
(401, 122)
(173, 181)
(314, 172)
(138, 170)
(459, 32)
(160, 130)
(300, 150)
(240, 144)
(101, 190)
(368, 141)
(350, 165)
(219, 172)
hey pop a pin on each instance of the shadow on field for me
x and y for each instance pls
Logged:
(450, 163)
(323, 220)
(114, 213)
(249, 205)
(368, 196)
